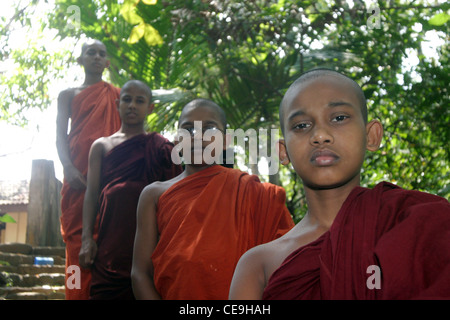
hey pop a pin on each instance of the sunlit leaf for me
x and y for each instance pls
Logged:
(152, 36)
(128, 11)
(439, 19)
(136, 33)
(150, 2)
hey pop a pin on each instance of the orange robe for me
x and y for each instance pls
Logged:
(93, 115)
(206, 222)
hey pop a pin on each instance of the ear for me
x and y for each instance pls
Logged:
(117, 103)
(374, 133)
(151, 107)
(80, 60)
(108, 63)
(282, 152)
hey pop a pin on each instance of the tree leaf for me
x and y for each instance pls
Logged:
(439, 19)
(7, 218)
(136, 33)
(150, 2)
(152, 36)
(128, 11)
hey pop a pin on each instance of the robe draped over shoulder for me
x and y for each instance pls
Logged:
(206, 222)
(126, 170)
(400, 236)
(93, 115)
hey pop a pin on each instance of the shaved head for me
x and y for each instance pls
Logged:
(318, 73)
(209, 104)
(89, 43)
(139, 84)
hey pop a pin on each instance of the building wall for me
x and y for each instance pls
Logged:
(15, 232)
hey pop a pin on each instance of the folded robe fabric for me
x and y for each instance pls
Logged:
(126, 170)
(206, 222)
(400, 236)
(93, 115)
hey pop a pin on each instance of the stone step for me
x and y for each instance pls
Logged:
(32, 269)
(21, 279)
(22, 248)
(49, 251)
(27, 249)
(32, 293)
(35, 280)
(15, 259)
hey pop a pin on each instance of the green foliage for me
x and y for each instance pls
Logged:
(26, 74)
(245, 54)
(6, 218)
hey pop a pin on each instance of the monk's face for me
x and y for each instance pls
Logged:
(209, 120)
(134, 105)
(94, 58)
(325, 134)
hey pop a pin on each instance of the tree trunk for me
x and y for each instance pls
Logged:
(43, 227)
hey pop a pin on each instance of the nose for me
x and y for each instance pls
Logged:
(320, 136)
(132, 104)
(97, 56)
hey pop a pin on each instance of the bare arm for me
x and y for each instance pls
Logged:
(71, 174)
(90, 205)
(145, 243)
(248, 281)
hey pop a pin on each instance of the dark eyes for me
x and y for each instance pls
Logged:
(93, 52)
(193, 130)
(304, 125)
(129, 99)
(340, 118)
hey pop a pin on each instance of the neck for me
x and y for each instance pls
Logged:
(324, 205)
(131, 130)
(191, 169)
(92, 78)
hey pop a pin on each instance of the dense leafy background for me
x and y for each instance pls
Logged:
(244, 55)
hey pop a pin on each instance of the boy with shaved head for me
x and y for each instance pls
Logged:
(192, 229)
(91, 112)
(353, 243)
(120, 166)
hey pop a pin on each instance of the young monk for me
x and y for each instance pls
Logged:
(120, 166)
(353, 243)
(91, 111)
(192, 229)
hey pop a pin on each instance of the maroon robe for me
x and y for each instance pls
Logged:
(126, 170)
(405, 234)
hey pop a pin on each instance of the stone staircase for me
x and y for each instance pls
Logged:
(21, 279)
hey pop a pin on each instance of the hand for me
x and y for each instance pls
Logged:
(87, 253)
(74, 177)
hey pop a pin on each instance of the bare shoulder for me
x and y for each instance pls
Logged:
(99, 145)
(269, 256)
(65, 98)
(110, 142)
(68, 94)
(255, 267)
(154, 190)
